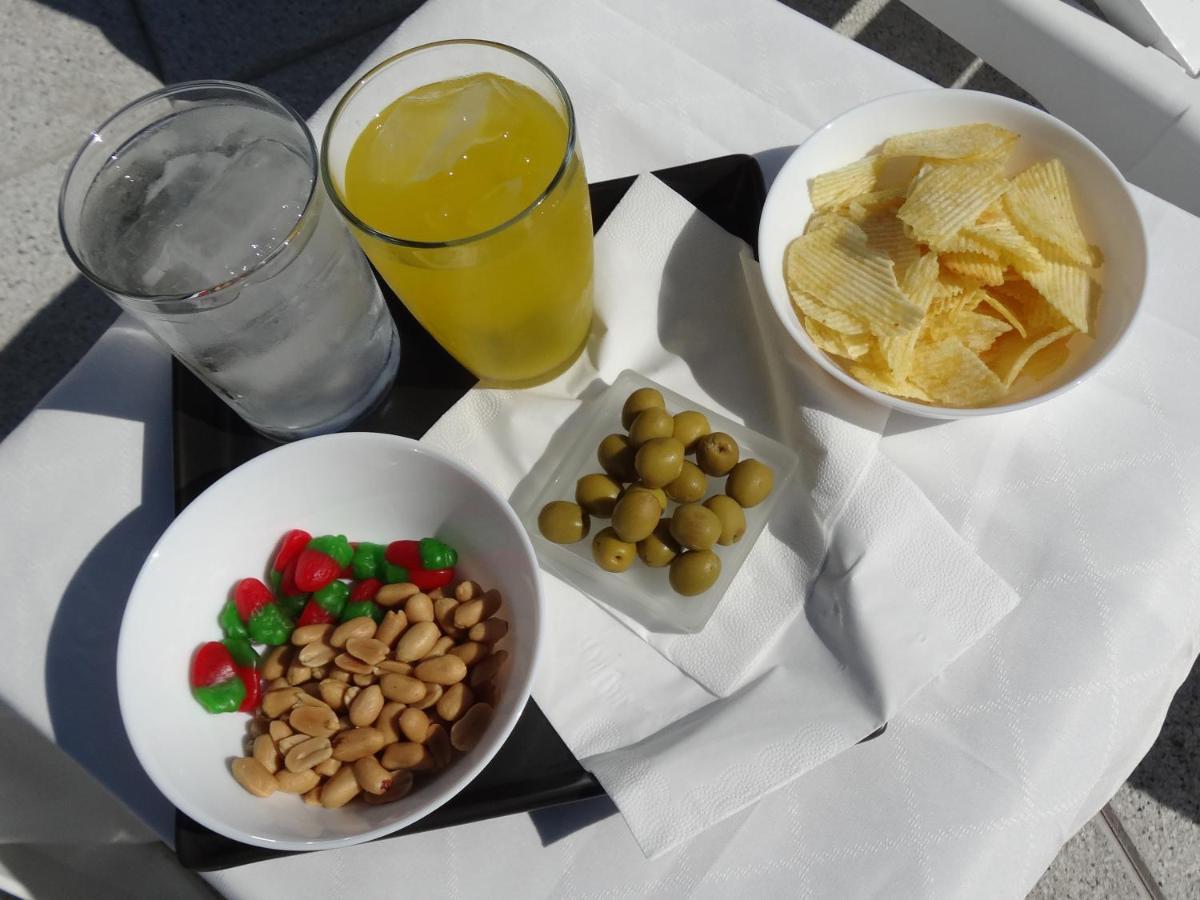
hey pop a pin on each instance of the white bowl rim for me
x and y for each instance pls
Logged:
(127, 672)
(789, 321)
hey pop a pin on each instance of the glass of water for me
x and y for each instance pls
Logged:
(199, 209)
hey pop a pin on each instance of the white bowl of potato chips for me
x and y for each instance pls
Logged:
(952, 253)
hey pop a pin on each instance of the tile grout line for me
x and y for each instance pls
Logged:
(1136, 866)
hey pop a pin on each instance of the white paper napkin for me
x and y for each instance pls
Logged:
(688, 735)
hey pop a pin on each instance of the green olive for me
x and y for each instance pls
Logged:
(659, 461)
(611, 553)
(694, 572)
(750, 482)
(635, 516)
(616, 457)
(690, 426)
(597, 494)
(716, 453)
(651, 423)
(563, 522)
(659, 494)
(695, 526)
(642, 398)
(733, 520)
(659, 548)
(689, 486)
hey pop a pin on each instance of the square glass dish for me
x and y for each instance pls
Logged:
(642, 593)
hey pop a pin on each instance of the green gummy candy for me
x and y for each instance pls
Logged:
(231, 623)
(224, 697)
(241, 651)
(368, 561)
(437, 555)
(334, 546)
(332, 598)
(393, 574)
(270, 625)
(275, 579)
(362, 608)
(293, 606)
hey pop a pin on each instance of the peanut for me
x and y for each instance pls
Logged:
(371, 776)
(315, 721)
(419, 608)
(297, 782)
(455, 701)
(316, 653)
(471, 652)
(253, 777)
(356, 743)
(488, 632)
(266, 753)
(366, 706)
(361, 626)
(402, 783)
(276, 661)
(414, 725)
(307, 754)
(391, 595)
(406, 756)
(416, 641)
(309, 634)
(340, 789)
(401, 688)
(393, 625)
(443, 670)
(467, 731)
(368, 650)
(433, 693)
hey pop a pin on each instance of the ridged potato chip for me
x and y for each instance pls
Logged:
(950, 373)
(1010, 358)
(946, 198)
(950, 288)
(1039, 202)
(841, 185)
(836, 265)
(974, 265)
(1069, 289)
(955, 142)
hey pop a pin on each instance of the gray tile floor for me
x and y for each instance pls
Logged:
(50, 54)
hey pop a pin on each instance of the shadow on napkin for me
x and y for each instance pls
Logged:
(81, 654)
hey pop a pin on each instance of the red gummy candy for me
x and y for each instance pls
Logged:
(252, 681)
(212, 664)
(314, 614)
(287, 583)
(249, 595)
(290, 546)
(404, 553)
(365, 590)
(428, 579)
(315, 569)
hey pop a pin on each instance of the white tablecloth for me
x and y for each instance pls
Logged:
(976, 784)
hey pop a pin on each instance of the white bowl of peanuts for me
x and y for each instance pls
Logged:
(340, 749)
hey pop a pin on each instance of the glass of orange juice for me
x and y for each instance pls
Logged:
(457, 164)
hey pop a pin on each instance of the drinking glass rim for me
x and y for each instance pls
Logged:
(568, 152)
(159, 94)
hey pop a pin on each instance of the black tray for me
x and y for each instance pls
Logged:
(534, 768)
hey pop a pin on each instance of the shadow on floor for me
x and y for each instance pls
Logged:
(48, 346)
(1170, 772)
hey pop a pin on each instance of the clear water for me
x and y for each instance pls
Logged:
(302, 346)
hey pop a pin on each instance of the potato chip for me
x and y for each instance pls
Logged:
(974, 265)
(851, 346)
(1039, 203)
(965, 242)
(886, 233)
(887, 383)
(1009, 358)
(872, 202)
(978, 331)
(946, 198)
(821, 219)
(950, 373)
(955, 142)
(842, 185)
(1001, 236)
(836, 265)
(994, 302)
(918, 285)
(827, 315)
(1069, 289)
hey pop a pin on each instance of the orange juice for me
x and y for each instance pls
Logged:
(478, 170)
